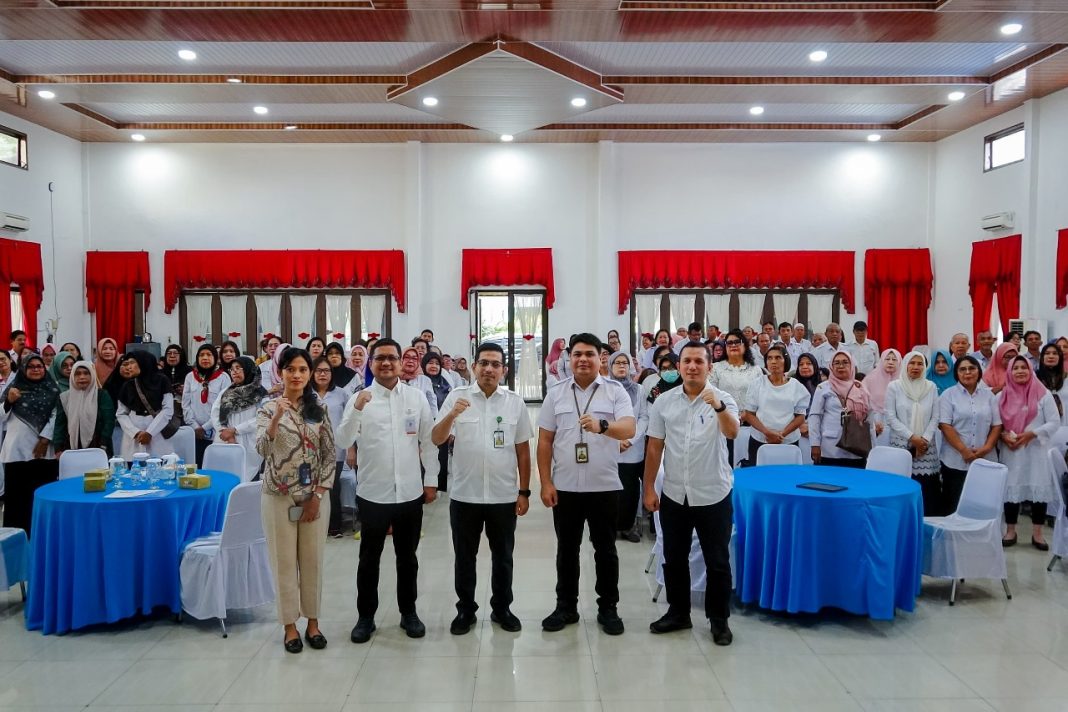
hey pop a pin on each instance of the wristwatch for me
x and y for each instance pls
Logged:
(524, 493)
(604, 426)
(722, 407)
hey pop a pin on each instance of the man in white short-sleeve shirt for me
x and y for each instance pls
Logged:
(582, 420)
(491, 432)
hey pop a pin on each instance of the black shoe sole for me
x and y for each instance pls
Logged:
(460, 629)
(669, 629)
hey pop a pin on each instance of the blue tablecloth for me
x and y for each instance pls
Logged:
(97, 560)
(800, 550)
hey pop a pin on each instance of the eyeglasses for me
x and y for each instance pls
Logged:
(323, 371)
(32, 366)
(489, 364)
(733, 342)
(386, 359)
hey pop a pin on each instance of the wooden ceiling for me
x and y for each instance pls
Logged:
(357, 70)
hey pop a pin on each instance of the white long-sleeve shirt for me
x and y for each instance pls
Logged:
(195, 412)
(132, 423)
(244, 423)
(899, 413)
(20, 439)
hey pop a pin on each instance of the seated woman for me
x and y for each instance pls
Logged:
(86, 414)
(233, 414)
(145, 408)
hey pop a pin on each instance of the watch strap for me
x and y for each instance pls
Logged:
(524, 493)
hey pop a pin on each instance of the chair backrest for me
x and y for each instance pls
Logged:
(75, 463)
(1059, 469)
(895, 460)
(227, 457)
(242, 524)
(184, 444)
(1060, 439)
(983, 497)
(778, 455)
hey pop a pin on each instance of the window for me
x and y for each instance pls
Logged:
(16, 310)
(13, 148)
(517, 320)
(1004, 147)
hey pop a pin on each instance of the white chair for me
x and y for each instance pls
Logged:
(967, 543)
(185, 444)
(778, 455)
(75, 463)
(226, 457)
(895, 460)
(1059, 545)
(14, 559)
(1060, 439)
(230, 570)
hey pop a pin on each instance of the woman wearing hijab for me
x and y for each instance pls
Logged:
(271, 372)
(1051, 375)
(412, 374)
(29, 410)
(60, 370)
(48, 354)
(1062, 344)
(970, 421)
(176, 368)
(86, 414)
(841, 392)
(432, 370)
(876, 382)
(233, 414)
(998, 371)
(333, 399)
(552, 362)
(940, 372)
(912, 419)
(631, 464)
(204, 384)
(669, 378)
(460, 366)
(119, 377)
(107, 357)
(145, 407)
(1029, 420)
(358, 363)
(344, 377)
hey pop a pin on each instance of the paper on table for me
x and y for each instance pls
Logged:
(127, 494)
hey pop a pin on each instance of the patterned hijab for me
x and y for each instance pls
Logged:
(241, 397)
(39, 398)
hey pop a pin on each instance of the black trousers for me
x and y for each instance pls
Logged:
(713, 526)
(443, 467)
(467, 521)
(630, 476)
(22, 480)
(952, 486)
(335, 500)
(730, 451)
(201, 446)
(1038, 513)
(931, 491)
(572, 511)
(406, 519)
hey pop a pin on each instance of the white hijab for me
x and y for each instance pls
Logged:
(80, 407)
(915, 389)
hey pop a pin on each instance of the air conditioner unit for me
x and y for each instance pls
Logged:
(997, 221)
(1023, 324)
(14, 222)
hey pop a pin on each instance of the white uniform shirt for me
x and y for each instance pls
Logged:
(825, 352)
(334, 402)
(775, 406)
(424, 385)
(20, 439)
(972, 415)
(825, 423)
(636, 452)
(195, 412)
(865, 355)
(696, 470)
(1033, 360)
(480, 472)
(131, 423)
(984, 361)
(558, 415)
(387, 454)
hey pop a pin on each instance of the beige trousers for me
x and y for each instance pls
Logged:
(296, 557)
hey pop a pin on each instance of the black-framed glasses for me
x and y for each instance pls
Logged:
(323, 371)
(733, 342)
(489, 364)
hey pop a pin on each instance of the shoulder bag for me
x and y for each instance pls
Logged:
(171, 427)
(856, 434)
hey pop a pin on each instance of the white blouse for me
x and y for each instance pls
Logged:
(132, 423)
(1029, 478)
(195, 411)
(20, 439)
(775, 406)
(825, 423)
(898, 413)
(735, 379)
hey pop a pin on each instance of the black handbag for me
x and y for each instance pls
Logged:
(172, 425)
(856, 434)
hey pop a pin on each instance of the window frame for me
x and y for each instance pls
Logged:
(22, 155)
(988, 146)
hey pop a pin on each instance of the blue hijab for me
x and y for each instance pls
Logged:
(941, 382)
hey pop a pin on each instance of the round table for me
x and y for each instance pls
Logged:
(800, 550)
(97, 560)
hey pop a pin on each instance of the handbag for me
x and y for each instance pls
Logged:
(856, 434)
(172, 425)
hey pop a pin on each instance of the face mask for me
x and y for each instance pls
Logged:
(670, 376)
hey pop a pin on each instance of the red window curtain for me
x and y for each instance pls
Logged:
(278, 269)
(995, 268)
(897, 293)
(1062, 269)
(111, 279)
(20, 264)
(692, 269)
(508, 267)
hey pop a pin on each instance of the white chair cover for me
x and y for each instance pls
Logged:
(14, 557)
(1059, 545)
(741, 445)
(230, 570)
(75, 463)
(778, 455)
(967, 543)
(184, 444)
(895, 460)
(227, 457)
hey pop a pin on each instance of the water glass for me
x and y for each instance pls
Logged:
(155, 472)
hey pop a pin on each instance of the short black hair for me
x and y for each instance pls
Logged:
(786, 324)
(967, 358)
(427, 331)
(695, 326)
(768, 323)
(17, 333)
(491, 346)
(695, 345)
(384, 341)
(584, 338)
(418, 340)
(1026, 334)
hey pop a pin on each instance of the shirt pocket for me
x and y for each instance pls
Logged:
(508, 424)
(566, 416)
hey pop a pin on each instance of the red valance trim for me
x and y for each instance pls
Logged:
(730, 269)
(897, 294)
(995, 267)
(20, 264)
(280, 269)
(1062, 269)
(504, 267)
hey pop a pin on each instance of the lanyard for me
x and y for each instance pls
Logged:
(583, 411)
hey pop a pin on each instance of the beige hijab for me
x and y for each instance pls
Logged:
(80, 407)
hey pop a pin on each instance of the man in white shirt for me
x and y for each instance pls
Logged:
(447, 366)
(865, 351)
(390, 424)
(799, 337)
(786, 338)
(760, 349)
(986, 348)
(1032, 341)
(826, 351)
(713, 332)
(693, 333)
(581, 422)
(958, 346)
(688, 427)
(491, 433)
(426, 335)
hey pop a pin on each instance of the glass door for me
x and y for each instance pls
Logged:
(517, 320)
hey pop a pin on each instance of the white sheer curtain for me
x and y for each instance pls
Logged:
(785, 307)
(647, 307)
(750, 309)
(528, 321)
(17, 315)
(233, 317)
(372, 315)
(338, 318)
(718, 310)
(819, 311)
(268, 314)
(682, 309)
(197, 322)
(302, 307)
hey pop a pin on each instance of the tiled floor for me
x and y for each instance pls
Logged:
(985, 653)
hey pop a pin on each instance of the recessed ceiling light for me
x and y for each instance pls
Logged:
(233, 80)
(1011, 29)
(45, 94)
(187, 54)
(578, 102)
(756, 110)
(507, 137)
(955, 95)
(291, 127)
(817, 56)
(874, 137)
(261, 110)
(430, 101)
(137, 137)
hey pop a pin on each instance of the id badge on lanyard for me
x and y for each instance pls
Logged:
(582, 450)
(411, 422)
(498, 435)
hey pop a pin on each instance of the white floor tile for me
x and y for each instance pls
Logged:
(449, 679)
(895, 676)
(194, 682)
(59, 683)
(535, 679)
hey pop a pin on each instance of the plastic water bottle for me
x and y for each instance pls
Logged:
(179, 469)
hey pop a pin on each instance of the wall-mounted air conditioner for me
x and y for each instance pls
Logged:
(1023, 324)
(14, 222)
(997, 221)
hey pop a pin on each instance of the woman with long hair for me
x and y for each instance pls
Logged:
(233, 414)
(1051, 375)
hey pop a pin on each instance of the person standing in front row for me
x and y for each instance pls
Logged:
(582, 420)
(492, 434)
(689, 428)
(390, 423)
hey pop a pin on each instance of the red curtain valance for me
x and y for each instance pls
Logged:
(897, 294)
(278, 269)
(995, 268)
(699, 269)
(20, 264)
(111, 279)
(508, 267)
(1062, 268)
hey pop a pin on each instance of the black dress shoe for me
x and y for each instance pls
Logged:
(361, 632)
(671, 622)
(507, 621)
(461, 623)
(317, 641)
(412, 625)
(1006, 543)
(293, 646)
(721, 632)
(558, 619)
(1040, 545)
(610, 622)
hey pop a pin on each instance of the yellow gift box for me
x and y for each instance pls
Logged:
(95, 481)
(194, 481)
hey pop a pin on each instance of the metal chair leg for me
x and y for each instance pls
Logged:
(222, 623)
(1005, 585)
(953, 593)
(22, 588)
(1053, 560)
(656, 595)
(652, 560)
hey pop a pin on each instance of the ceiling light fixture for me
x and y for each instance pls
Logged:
(817, 56)
(756, 110)
(507, 138)
(291, 127)
(874, 137)
(137, 137)
(233, 80)
(430, 101)
(578, 102)
(46, 94)
(187, 54)
(261, 110)
(955, 95)
(1011, 29)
